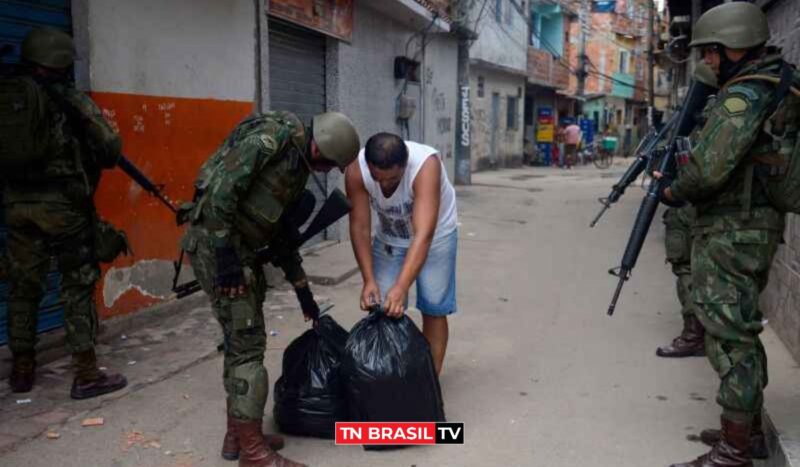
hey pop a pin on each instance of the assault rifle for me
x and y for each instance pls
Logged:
(335, 207)
(695, 100)
(644, 157)
(141, 179)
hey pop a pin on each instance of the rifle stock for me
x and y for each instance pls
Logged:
(335, 207)
(684, 124)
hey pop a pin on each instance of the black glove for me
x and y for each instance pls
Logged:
(674, 203)
(230, 274)
(307, 303)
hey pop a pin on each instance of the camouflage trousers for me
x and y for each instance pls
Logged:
(242, 320)
(678, 244)
(729, 271)
(36, 232)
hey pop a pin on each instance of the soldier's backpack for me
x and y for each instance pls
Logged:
(24, 139)
(779, 172)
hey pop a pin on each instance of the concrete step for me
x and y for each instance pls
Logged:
(330, 265)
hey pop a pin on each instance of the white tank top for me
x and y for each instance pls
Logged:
(391, 220)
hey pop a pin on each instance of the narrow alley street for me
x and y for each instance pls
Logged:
(536, 370)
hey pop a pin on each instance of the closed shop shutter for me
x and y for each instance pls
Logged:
(297, 81)
(16, 19)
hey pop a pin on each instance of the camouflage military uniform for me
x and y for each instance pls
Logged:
(678, 244)
(735, 236)
(50, 212)
(243, 190)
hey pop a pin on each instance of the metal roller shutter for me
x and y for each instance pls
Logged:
(16, 19)
(297, 81)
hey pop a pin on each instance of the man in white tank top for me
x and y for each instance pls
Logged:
(404, 184)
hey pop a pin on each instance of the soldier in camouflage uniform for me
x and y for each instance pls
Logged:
(678, 244)
(49, 211)
(737, 231)
(244, 193)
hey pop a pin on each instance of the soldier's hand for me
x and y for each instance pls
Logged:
(229, 280)
(395, 303)
(370, 295)
(307, 303)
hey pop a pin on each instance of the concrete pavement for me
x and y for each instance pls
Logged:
(536, 370)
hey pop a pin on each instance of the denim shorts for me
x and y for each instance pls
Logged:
(436, 283)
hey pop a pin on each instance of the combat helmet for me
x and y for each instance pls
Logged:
(735, 25)
(49, 47)
(704, 74)
(336, 138)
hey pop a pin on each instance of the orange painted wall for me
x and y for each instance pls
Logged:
(168, 139)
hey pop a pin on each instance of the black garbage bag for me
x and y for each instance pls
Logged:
(309, 395)
(389, 374)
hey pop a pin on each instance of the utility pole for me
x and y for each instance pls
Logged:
(465, 37)
(584, 18)
(651, 62)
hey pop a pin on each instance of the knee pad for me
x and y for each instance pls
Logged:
(248, 387)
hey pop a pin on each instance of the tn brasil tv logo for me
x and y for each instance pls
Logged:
(399, 433)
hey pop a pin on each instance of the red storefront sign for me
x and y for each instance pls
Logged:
(330, 17)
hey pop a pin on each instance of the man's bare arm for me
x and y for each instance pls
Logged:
(427, 194)
(361, 232)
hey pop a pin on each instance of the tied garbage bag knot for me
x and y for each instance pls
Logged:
(389, 373)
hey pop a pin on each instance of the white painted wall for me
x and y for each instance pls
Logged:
(441, 97)
(362, 85)
(177, 48)
(500, 43)
(509, 141)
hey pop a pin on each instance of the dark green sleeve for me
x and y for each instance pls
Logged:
(291, 265)
(734, 122)
(104, 142)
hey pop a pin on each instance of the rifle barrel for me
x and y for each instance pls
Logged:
(141, 179)
(606, 206)
(623, 276)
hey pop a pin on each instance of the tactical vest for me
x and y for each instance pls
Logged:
(280, 180)
(744, 198)
(775, 163)
(62, 172)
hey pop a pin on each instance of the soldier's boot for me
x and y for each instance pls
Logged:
(732, 450)
(758, 440)
(230, 445)
(689, 344)
(23, 372)
(253, 450)
(90, 381)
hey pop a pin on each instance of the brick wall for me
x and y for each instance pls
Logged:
(544, 69)
(781, 300)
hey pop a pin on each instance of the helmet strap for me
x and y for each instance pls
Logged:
(729, 69)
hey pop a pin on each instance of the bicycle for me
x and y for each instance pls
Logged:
(603, 159)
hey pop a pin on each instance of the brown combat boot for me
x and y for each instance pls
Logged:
(23, 372)
(689, 344)
(732, 450)
(90, 381)
(758, 440)
(230, 445)
(253, 451)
